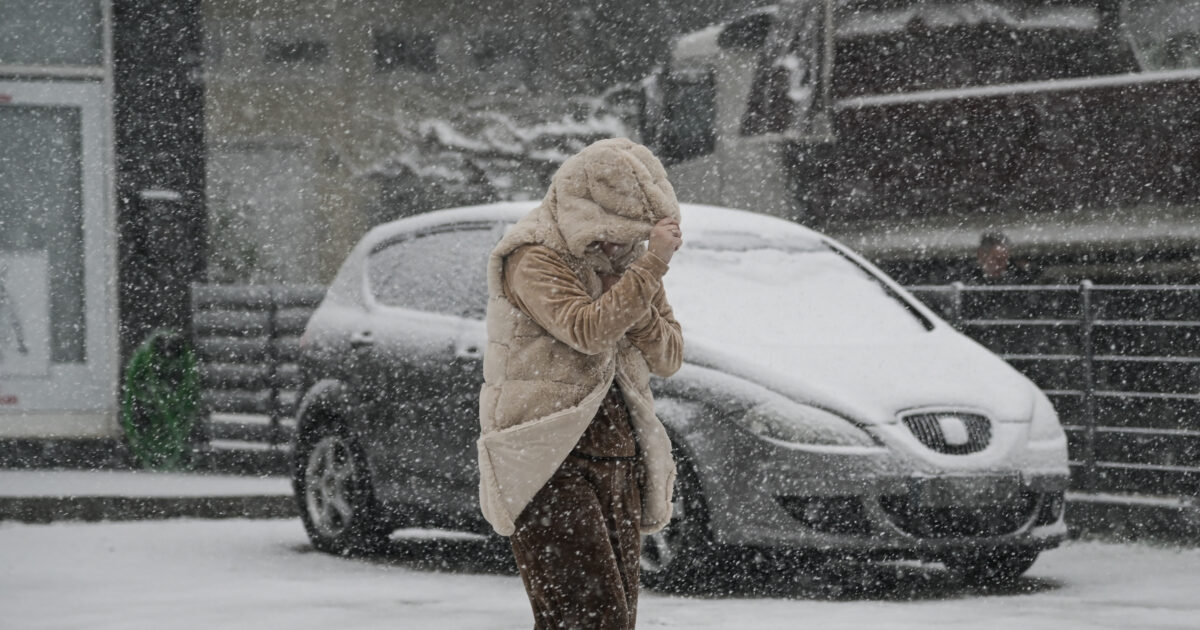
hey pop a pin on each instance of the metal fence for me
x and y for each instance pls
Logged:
(1121, 364)
(247, 338)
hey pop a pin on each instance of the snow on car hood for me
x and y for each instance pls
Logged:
(815, 324)
(875, 383)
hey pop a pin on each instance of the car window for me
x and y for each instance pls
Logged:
(444, 271)
(933, 45)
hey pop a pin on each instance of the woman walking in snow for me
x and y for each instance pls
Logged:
(574, 465)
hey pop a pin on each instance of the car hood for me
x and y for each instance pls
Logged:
(874, 383)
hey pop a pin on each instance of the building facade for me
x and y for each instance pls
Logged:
(101, 185)
(325, 117)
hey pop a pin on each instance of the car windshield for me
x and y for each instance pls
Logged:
(756, 292)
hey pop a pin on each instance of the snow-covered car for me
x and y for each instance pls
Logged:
(820, 407)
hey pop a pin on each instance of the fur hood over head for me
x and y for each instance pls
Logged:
(614, 190)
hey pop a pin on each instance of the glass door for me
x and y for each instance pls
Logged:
(58, 342)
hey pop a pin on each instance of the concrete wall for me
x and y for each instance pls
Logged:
(312, 139)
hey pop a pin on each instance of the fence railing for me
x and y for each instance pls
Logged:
(1121, 364)
(247, 339)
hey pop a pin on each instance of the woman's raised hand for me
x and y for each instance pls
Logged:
(665, 238)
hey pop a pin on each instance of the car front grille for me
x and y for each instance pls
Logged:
(960, 521)
(929, 429)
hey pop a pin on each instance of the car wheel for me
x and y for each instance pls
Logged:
(333, 490)
(674, 556)
(992, 566)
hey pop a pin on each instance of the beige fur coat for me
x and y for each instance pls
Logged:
(543, 382)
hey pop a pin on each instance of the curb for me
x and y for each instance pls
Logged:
(1118, 518)
(112, 508)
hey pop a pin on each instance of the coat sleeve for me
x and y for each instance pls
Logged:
(659, 337)
(542, 285)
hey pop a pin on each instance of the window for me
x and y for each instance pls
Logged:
(440, 272)
(689, 128)
(507, 57)
(940, 46)
(787, 73)
(770, 108)
(490, 48)
(41, 233)
(65, 32)
(1180, 50)
(310, 51)
(395, 51)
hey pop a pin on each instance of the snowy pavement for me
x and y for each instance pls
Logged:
(194, 574)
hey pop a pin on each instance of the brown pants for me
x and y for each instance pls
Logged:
(577, 546)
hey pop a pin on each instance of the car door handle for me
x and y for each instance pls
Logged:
(362, 339)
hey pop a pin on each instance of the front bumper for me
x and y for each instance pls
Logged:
(884, 502)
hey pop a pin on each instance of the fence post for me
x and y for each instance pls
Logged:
(273, 365)
(956, 304)
(204, 419)
(1087, 356)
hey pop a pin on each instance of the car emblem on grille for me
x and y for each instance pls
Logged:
(952, 433)
(954, 430)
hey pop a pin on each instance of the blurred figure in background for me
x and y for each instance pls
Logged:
(996, 264)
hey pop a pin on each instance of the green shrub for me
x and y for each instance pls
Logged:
(160, 401)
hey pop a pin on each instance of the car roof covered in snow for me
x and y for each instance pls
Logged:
(347, 287)
(693, 216)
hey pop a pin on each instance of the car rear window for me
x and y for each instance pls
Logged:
(443, 271)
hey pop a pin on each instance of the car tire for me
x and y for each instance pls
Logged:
(992, 566)
(334, 493)
(674, 557)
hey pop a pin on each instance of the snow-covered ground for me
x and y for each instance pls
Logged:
(191, 574)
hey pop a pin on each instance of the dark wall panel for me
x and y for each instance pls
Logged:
(159, 111)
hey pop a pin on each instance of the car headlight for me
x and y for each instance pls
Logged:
(803, 424)
(1044, 426)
